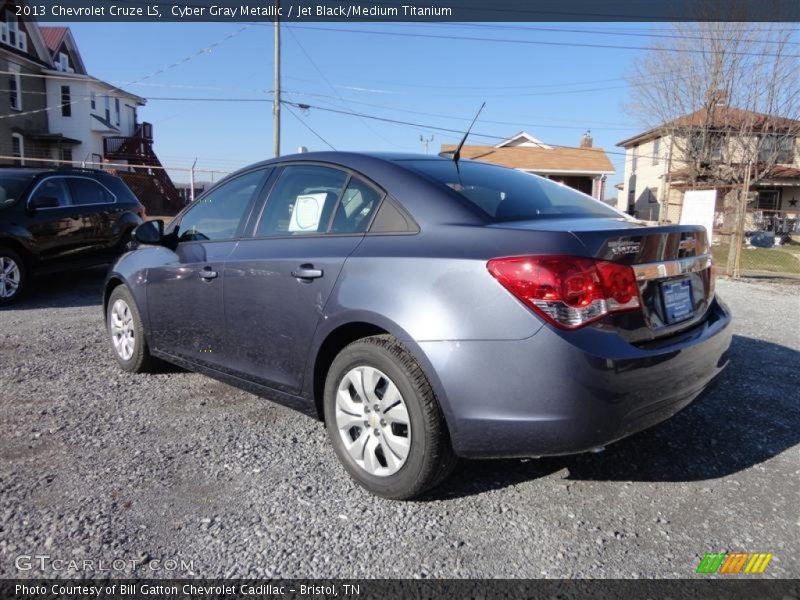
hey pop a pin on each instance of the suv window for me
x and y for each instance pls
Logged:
(54, 187)
(502, 194)
(302, 201)
(12, 187)
(359, 202)
(216, 215)
(87, 192)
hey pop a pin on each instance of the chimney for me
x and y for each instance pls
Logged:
(586, 140)
(717, 97)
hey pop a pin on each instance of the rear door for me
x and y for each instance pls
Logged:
(278, 281)
(60, 231)
(184, 293)
(100, 210)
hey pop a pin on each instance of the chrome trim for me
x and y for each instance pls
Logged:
(672, 268)
(67, 176)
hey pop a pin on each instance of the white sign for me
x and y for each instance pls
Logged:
(698, 209)
(307, 212)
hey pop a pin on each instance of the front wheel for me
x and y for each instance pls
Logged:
(384, 421)
(127, 333)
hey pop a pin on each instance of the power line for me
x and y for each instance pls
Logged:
(613, 33)
(186, 59)
(330, 85)
(525, 42)
(307, 126)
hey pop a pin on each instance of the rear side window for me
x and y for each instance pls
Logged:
(356, 208)
(302, 201)
(502, 194)
(217, 215)
(86, 192)
(54, 187)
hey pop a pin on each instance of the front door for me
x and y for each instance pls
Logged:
(277, 283)
(184, 293)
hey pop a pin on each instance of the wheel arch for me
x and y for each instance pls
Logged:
(331, 341)
(20, 249)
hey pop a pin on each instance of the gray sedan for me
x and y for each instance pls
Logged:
(425, 309)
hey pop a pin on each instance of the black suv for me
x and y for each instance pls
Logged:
(57, 219)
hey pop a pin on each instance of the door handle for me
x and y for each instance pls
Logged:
(207, 274)
(307, 272)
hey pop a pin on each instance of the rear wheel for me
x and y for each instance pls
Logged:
(13, 276)
(127, 333)
(384, 421)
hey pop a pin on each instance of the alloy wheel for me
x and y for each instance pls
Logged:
(10, 276)
(373, 422)
(122, 329)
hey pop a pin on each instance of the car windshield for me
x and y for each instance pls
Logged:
(11, 188)
(503, 194)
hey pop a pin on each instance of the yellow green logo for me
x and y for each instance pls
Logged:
(731, 563)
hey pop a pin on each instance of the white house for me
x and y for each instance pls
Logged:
(87, 109)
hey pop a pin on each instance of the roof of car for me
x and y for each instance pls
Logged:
(31, 171)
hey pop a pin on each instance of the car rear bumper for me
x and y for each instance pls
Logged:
(569, 392)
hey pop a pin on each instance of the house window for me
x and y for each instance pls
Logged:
(705, 147)
(656, 150)
(18, 149)
(66, 155)
(116, 110)
(635, 158)
(66, 101)
(108, 109)
(14, 87)
(62, 64)
(93, 99)
(777, 148)
(768, 199)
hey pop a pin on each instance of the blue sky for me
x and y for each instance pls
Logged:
(538, 88)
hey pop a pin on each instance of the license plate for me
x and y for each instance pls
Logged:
(678, 301)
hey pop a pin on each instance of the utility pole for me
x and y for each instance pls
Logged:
(191, 181)
(276, 92)
(425, 142)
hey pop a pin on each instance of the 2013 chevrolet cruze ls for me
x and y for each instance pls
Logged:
(425, 309)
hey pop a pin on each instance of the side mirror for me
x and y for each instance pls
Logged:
(150, 232)
(43, 202)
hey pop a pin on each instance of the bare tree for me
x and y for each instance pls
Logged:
(726, 97)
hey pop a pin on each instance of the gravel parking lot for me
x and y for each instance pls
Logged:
(98, 464)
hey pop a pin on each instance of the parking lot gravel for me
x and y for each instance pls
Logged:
(101, 465)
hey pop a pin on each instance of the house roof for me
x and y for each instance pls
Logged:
(721, 118)
(541, 160)
(523, 138)
(53, 37)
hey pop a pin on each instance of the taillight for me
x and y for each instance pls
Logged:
(568, 291)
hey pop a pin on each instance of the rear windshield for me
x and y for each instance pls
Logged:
(12, 187)
(503, 194)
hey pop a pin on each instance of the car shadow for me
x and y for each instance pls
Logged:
(69, 289)
(750, 416)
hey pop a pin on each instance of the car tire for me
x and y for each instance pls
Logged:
(126, 332)
(13, 276)
(419, 455)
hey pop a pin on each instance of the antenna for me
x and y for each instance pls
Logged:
(457, 153)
